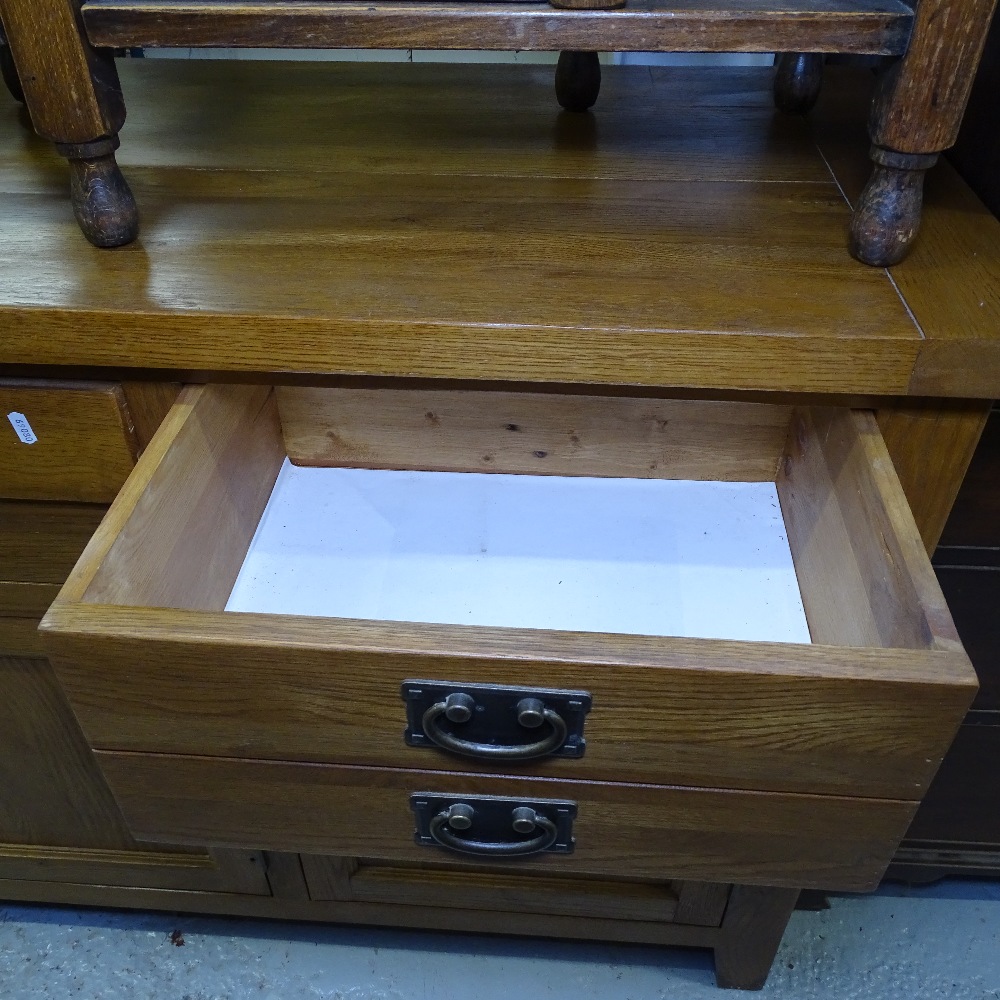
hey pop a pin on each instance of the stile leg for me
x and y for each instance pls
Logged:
(578, 80)
(916, 115)
(797, 80)
(74, 99)
(751, 931)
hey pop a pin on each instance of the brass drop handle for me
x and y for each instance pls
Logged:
(524, 820)
(458, 707)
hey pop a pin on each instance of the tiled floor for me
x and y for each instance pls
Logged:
(901, 944)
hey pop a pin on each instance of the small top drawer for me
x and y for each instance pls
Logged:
(819, 659)
(64, 441)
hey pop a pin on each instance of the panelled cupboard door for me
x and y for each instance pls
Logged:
(58, 819)
(820, 666)
(497, 889)
(147, 866)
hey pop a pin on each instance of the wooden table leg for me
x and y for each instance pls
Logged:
(916, 115)
(798, 77)
(74, 98)
(751, 931)
(578, 80)
(931, 447)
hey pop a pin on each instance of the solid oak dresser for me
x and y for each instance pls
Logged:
(299, 668)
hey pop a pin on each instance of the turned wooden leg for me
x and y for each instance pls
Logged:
(887, 216)
(74, 99)
(751, 931)
(578, 80)
(916, 114)
(7, 70)
(797, 80)
(102, 200)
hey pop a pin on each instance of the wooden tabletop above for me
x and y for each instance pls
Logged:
(449, 221)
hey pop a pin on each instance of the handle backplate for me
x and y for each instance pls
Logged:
(493, 826)
(495, 721)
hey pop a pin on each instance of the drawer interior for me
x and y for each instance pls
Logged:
(719, 520)
(642, 556)
(738, 589)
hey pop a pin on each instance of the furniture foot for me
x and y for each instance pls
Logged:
(797, 80)
(887, 215)
(751, 931)
(578, 80)
(8, 70)
(102, 200)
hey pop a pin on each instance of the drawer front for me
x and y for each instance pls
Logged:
(764, 717)
(20, 636)
(651, 832)
(41, 541)
(64, 441)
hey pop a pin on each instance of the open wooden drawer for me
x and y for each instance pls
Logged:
(736, 591)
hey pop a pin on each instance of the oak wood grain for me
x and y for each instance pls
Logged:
(417, 270)
(951, 277)
(551, 434)
(85, 446)
(920, 103)
(71, 90)
(753, 715)
(53, 792)
(931, 448)
(205, 495)
(40, 541)
(148, 403)
(196, 870)
(653, 831)
(752, 928)
(702, 903)
(862, 567)
(20, 637)
(437, 917)
(736, 714)
(674, 26)
(488, 890)
(24, 600)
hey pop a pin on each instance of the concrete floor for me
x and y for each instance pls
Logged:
(939, 941)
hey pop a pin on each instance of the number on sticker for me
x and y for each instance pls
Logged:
(22, 428)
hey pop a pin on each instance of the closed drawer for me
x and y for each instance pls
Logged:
(153, 662)
(20, 636)
(41, 541)
(64, 441)
(645, 832)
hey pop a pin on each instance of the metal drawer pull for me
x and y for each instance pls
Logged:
(500, 827)
(524, 820)
(531, 714)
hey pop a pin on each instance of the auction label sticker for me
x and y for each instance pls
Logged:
(22, 428)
